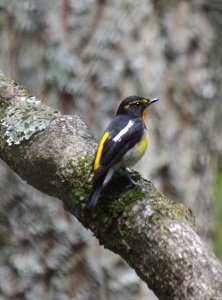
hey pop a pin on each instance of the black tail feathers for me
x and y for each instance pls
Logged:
(95, 192)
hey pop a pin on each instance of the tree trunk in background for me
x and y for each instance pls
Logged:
(85, 56)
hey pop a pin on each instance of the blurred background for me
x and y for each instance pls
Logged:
(82, 57)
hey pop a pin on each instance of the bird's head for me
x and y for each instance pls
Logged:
(135, 106)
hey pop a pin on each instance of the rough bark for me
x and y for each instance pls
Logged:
(85, 55)
(152, 233)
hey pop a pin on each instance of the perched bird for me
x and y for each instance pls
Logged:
(122, 145)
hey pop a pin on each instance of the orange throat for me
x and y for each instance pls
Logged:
(144, 115)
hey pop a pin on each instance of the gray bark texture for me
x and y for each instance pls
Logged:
(83, 57)
(153, 234)
(87, 55)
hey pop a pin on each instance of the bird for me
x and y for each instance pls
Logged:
(122, 145)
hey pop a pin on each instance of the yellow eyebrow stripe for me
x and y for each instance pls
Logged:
(99, 151)
(135, 101)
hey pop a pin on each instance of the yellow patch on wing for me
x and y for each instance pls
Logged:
(134, 102)
(99, 151)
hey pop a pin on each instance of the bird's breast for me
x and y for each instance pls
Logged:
(136, 152)
(140, 148)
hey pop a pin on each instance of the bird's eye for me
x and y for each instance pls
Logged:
(138, 103)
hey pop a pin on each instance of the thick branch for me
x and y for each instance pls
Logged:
(153, 234)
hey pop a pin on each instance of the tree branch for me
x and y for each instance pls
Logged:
(152, 233)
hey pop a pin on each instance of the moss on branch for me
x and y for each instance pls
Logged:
(119, 197)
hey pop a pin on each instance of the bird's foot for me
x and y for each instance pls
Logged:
(127, 172)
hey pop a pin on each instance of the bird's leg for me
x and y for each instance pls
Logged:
(127, 172)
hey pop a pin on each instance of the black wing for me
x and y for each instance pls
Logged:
(114, 149)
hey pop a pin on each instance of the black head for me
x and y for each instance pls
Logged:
(134, 106)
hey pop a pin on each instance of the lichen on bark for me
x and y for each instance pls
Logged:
(24, 118)
(152, 233)
(21, 114)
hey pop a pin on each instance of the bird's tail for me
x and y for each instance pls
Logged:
(95, 192)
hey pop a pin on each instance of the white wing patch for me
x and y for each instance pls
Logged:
(117, 138)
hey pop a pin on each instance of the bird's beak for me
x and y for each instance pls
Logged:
(152, 101)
